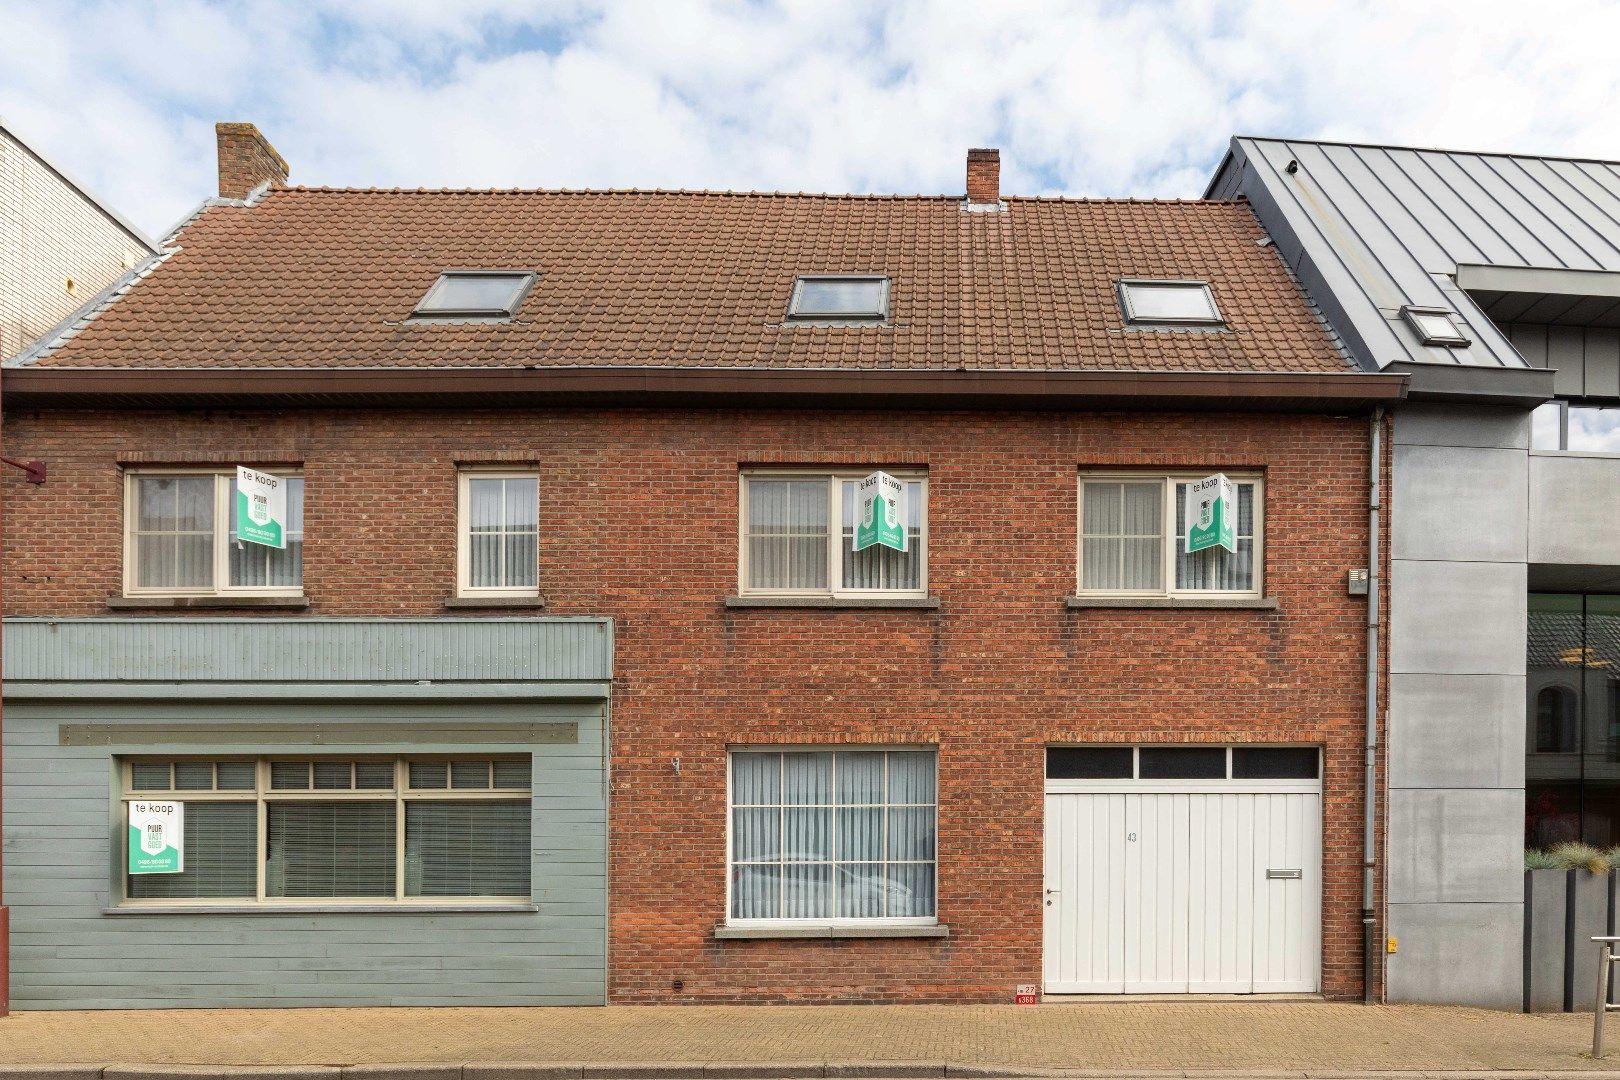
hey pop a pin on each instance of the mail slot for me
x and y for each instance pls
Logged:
(1285, 873)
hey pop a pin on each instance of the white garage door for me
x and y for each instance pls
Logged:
(1183, 870)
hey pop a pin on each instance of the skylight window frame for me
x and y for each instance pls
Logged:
(874, 318)
(422, 313)
(1414, 315)
(1135, 321)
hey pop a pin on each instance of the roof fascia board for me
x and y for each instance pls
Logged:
(134, 231)
(1238, 390)
(1473, 385)
(1551, 281)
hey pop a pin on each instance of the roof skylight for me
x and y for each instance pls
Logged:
(1435, 326)
(838, 297)
(1168, 303)
(475, 294)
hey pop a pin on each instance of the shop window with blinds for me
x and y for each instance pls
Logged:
(833, 836)
(180, 538)
(499, 534)
(1133, 539)
(798, 538)
(312, 830)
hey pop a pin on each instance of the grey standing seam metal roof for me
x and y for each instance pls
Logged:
(1370, 229)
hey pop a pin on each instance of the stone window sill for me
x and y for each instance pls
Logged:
(532, 603)
(318, 909)
(137, 603)
(836, 603)
(727, 932)
(1235, 603)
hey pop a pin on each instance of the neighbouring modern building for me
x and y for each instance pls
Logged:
(551, 647)
(1493, 282)
(60, 246)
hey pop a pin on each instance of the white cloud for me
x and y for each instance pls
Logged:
(1084, 98)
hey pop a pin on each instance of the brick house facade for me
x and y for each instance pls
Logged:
(638, 522)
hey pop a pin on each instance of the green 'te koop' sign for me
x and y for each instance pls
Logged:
(1211, 514)
(261, 508)
(157, 837)
(881, 513)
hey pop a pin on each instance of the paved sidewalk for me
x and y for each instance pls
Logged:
(1134, 1038)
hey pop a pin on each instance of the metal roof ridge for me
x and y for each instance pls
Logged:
(1427, 149)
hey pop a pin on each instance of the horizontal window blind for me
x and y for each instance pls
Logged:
(336, 849)
(467, 848)
(221, 856)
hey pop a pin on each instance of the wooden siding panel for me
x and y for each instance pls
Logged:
(68, 953)
(309, 650)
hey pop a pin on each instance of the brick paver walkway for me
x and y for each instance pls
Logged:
(1257, 1036)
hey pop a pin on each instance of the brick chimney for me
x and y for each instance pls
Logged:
(984, 177)
(246, 160)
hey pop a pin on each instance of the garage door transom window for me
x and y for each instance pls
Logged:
(1183, 763)
(335, 830)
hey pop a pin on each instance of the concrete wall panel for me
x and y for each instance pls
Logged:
(1438, 488)
(1574, 509)
(1458, 954)
(1456, 845)
(1457, 618)
(1456, 731)
(1451, 425)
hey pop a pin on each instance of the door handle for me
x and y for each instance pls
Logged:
(1051, 893)
(1275, 874)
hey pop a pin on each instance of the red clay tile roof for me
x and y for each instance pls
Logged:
(318, 278)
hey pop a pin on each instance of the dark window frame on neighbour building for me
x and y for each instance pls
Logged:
(1126, 291)
(1551, 429)
(877, 313)
(430, 306)
(263, 782)
(220, 532)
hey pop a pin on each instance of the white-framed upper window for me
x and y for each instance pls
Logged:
(1148, 302)
(798, 537)
(333, 830)
(475, 294)
(832, 835)
(498, 533)
(1133, 538)
(839, 297)
(180, 537)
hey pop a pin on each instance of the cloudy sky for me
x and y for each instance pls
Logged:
(1098, 98)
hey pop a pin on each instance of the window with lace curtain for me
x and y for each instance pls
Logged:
(798, 537)
(833, 835)
(180, 538)
(499, 534)
(311, 830)
(1133, 539)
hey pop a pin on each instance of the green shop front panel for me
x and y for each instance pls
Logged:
(507, 690)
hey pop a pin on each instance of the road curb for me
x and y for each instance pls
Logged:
(738, 1070)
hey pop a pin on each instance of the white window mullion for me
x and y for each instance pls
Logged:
(835, 538)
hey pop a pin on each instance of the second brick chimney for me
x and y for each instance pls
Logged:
(246, 160)
(984, 177)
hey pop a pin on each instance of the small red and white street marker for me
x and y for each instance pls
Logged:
(1028, 994)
